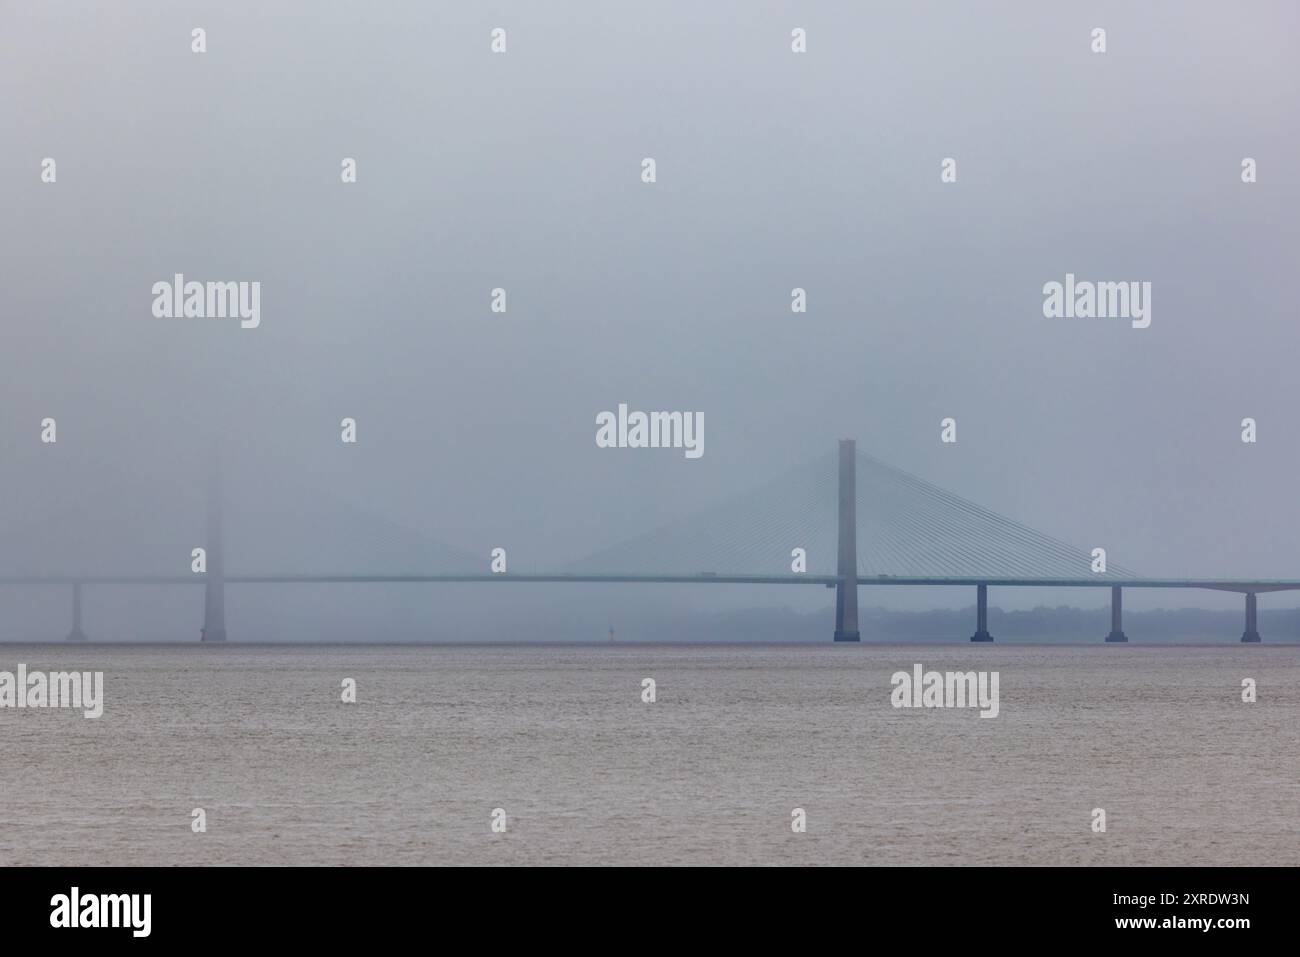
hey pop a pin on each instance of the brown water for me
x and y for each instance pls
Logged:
(559, 738)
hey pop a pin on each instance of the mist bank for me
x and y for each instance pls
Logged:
(534, 613)
(1061, 623)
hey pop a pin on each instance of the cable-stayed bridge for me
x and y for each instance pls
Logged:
(840, 521)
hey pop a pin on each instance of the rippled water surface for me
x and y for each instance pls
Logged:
(559, 737)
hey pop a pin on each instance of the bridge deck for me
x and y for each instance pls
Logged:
(1099, 581)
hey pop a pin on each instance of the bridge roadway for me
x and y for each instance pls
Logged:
(707, 578)
(214, 602)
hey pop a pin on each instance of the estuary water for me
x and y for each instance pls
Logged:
(559, 738)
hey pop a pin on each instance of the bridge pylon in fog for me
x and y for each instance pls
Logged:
(981, 614)
(1251, 634)
(1116, 615)
(76, 634)
(846, 589)
(214, 587)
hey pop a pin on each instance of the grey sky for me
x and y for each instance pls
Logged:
(775, 170)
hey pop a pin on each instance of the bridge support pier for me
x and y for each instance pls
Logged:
(846, 589)
(76, 634)
(214, 589)
(1251, 634)
(981, 614)
(1116, 615)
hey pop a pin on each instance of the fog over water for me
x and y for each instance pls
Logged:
(522, 171)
